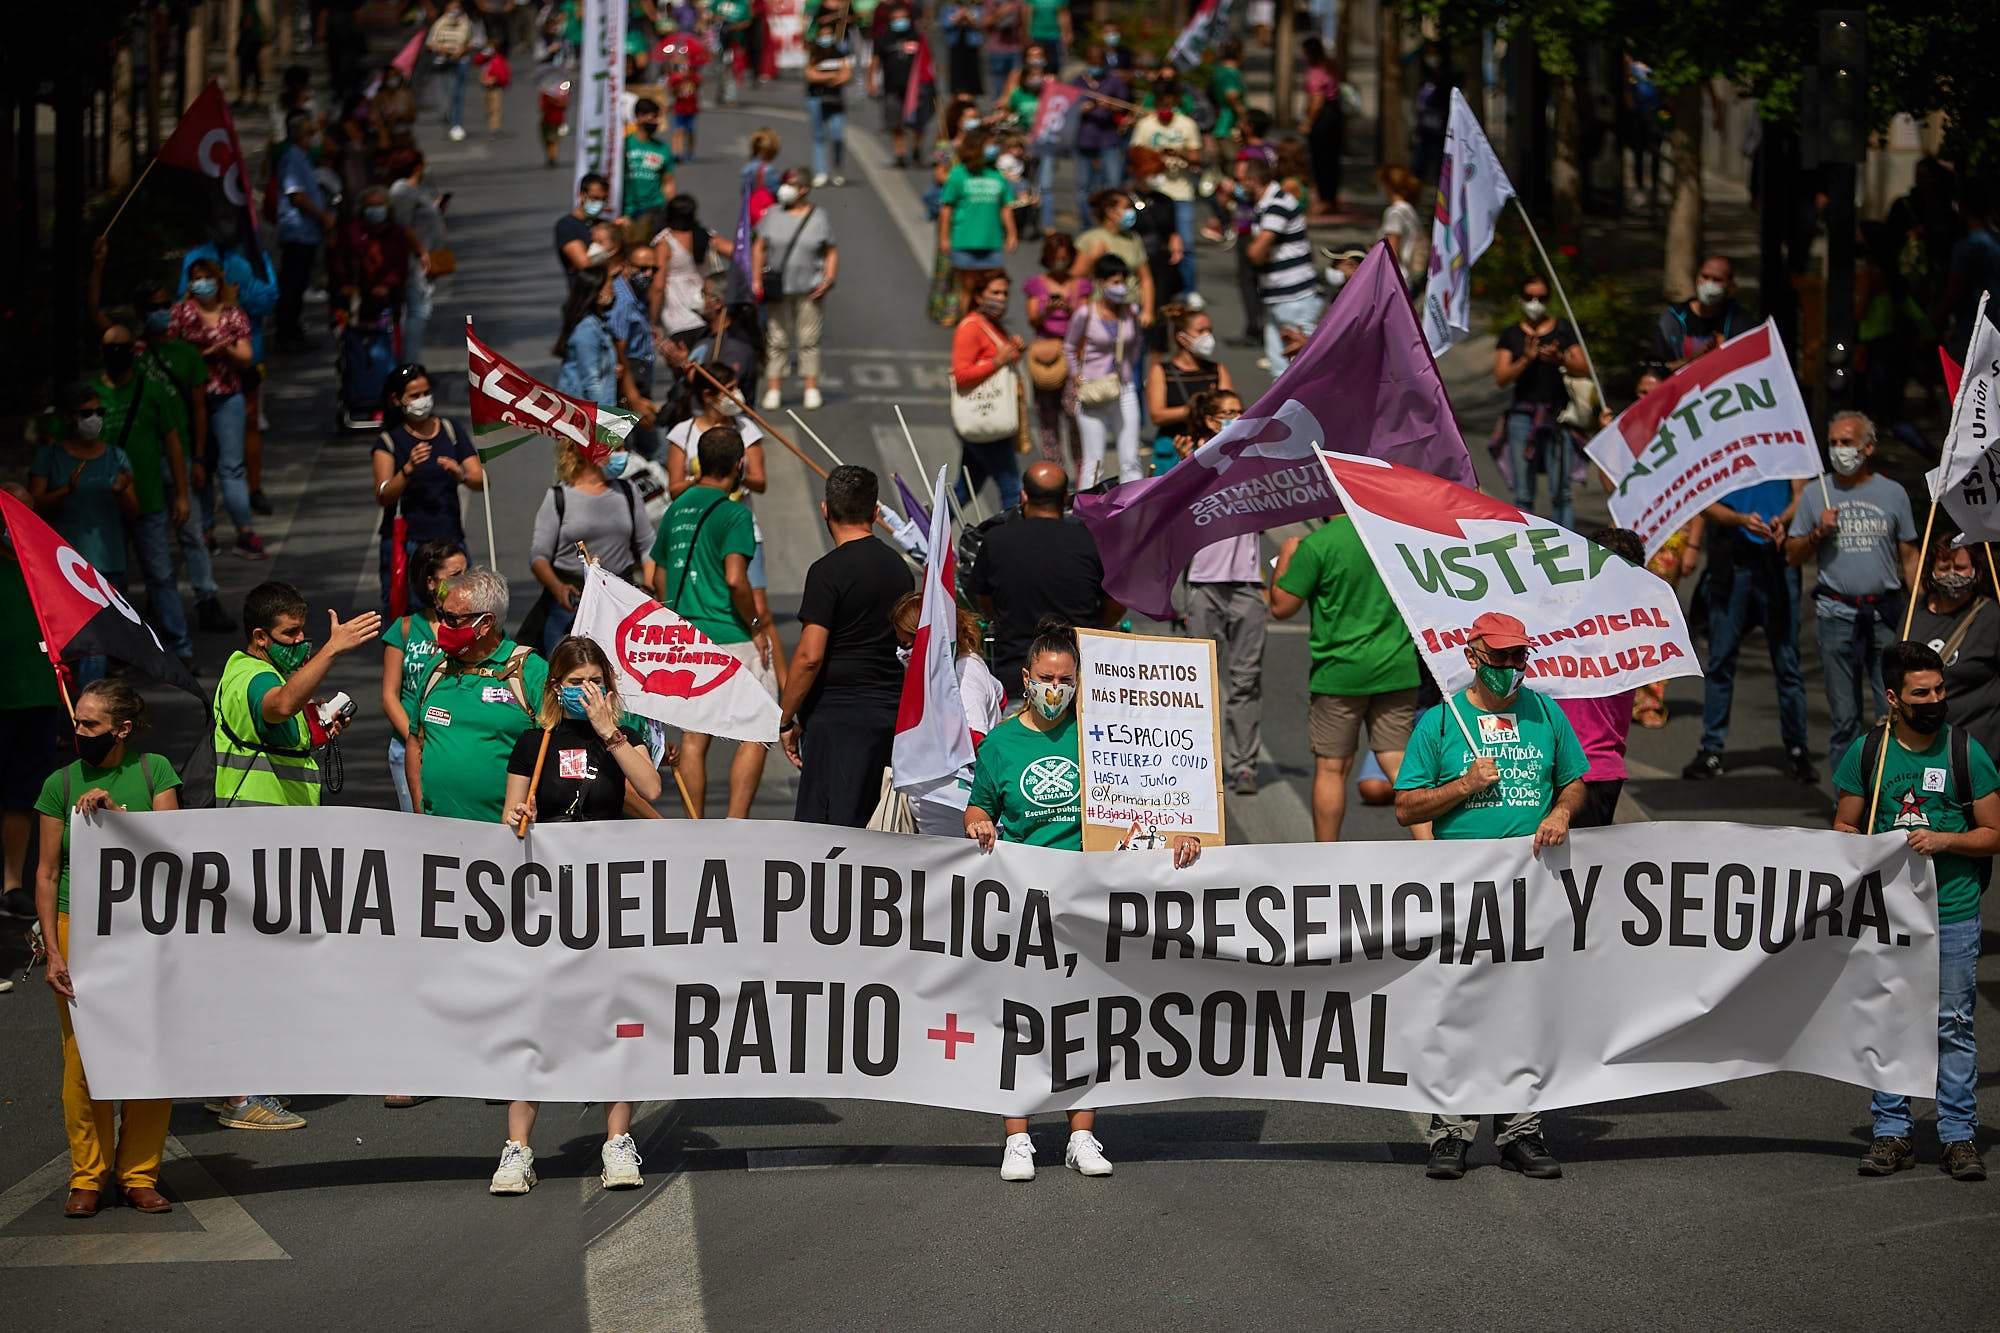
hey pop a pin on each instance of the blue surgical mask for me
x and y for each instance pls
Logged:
(375, 214)
(204, 289)
(1112, 39)
(899, 25)
(993, 152)
(571, 697)
(157, 320)
(593, 208)
(1129, 219)
(614, 466)
(1095, 71)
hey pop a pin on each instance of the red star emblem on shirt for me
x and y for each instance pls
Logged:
(1910, 811)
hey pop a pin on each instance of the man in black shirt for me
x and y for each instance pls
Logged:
(593, 204)
(838, 714)
(1039, 564)
(1532, 357)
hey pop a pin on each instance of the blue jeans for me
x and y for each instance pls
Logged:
(458, 69)
(1845, 663)
(1757, 593)
(153, 540)
(829, 129)
(194, 554)
(419, 300)
(1958, 1072)
(975, 259)
(399, 777)
(1045, 186)
(1301, 313)
(1184, 224)
(1551, 456)
(1096, 169)
(557, 627)
(994, 459)
(225, 435)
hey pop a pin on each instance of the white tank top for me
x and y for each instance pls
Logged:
(680, 301)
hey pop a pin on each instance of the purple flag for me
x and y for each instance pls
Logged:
(913, 508)
(1364, 384)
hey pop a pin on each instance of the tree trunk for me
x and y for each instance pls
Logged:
(1566, 162)
(1284, 67)
(194, 56)
(1393, 109)
(232, 19)
(1683, 156)
(120, 174)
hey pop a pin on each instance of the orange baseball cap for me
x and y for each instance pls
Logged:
(1498, 630)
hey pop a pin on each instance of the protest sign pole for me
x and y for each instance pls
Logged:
(908, 439)
(1881, 761)
(813, 435)
(751, 412)
(1451, 706)
(534, 782)
(687, 801)
(486, 498)
(1923, 554)
(1562, 296)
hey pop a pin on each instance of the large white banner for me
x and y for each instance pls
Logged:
(1722, 421)
(1448, 554)
(600, 95)
(1152, 739)
(649, 959)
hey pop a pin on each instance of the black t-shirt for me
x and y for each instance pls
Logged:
(1542, 381)
(1035, 567)
(850, 591)
(897, 52)
(1683, 331)
(581, 779)
(429, 503)
(570, 227)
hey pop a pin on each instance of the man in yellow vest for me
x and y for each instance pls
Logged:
(263, 751)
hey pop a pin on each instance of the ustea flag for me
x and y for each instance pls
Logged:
(1967, 480)
(1448, 553)
(509, 406)
(933, 739)
(667, 669)
(1722, 421)
(1364, 384)
(1472, 189)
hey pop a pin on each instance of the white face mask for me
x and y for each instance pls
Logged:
(1050, 698)
(1709, 293)
(1847, 460)
(420, 407)
(788, 194)
(1202, 345)
(1336, 278)
(597, 254)
(729, 407)
(1534, 310)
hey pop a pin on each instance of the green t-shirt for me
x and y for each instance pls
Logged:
(1919, 790)
(1022, 105)
(132, 784)
(1359, 643)
(1532, 742)
(420, 649)
(289, 734)
(693, 576)
(26, 678)
(469, 726)
(146, 441)
(975, 199)
(175, 366)
(647, 165)
(1045, 20)
(1225, 80)
(1031, 783)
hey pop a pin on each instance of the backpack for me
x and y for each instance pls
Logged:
(1961, 776)
(511, 673)
(632, 502)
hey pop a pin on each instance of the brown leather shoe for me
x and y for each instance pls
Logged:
(82, 1203)
(147, 1199)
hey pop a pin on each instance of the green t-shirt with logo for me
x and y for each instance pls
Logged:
(975, 199)
(420, 649)
(691, 551)
(1359, 642)
(1919, 790)
(1031, 783)
(469, 724)
(132, 784)
(1530, 739)
(648, 163)
(146, 442)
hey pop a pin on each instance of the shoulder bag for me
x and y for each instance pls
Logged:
(774, 278)
(990, 409)
(1102, 389)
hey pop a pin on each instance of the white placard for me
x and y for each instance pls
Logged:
(1152, 739)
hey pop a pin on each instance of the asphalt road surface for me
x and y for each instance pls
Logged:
(1735, 1205)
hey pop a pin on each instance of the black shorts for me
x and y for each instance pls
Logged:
(1600, 804)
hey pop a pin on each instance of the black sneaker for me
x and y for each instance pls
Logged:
(1246, 782)
(1447, 1158)
(1800, 765)
(1705, 764)
(210, 618)
(1887, 1156)
(259, 505)
(18, 903)
(1532, 1158)
(1961, 1161)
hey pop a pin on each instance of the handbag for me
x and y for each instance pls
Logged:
(989, 410)
(892, 811)
(444, 260)
(774, 278)
(1047, 366)
(1105, 388)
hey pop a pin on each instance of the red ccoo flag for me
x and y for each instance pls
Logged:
(205, 142)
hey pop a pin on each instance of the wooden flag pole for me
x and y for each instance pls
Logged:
(687, 801)
(130, 194)
(1881, 761)
(1923, 553)
(521, 829)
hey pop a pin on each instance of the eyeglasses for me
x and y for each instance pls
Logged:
(645, 268)
(460, 619)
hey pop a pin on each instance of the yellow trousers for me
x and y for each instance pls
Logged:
(139, 1140)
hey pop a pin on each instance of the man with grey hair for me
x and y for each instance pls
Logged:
(1864, 537)
(481, 694)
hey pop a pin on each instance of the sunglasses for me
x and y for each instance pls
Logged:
(460, 619)
(1505, 657)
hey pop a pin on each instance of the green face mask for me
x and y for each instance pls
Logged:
(1500, 681)
(289, 657)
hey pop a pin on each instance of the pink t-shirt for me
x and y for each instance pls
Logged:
(1322, 83)
(1231, 560)
(1600, 726)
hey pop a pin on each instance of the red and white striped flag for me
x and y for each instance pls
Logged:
(509, 405)
(933, 739)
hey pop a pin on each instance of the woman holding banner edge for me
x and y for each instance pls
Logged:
(1040, 748)
(596, 759)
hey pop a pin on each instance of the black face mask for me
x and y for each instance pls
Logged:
(94, 750)
(1929, 718)
(118, 357)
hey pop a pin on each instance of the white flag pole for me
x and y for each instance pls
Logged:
(908, 439)
(486, 498)
(1562, 296)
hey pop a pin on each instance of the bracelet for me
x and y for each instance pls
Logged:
(614, 740)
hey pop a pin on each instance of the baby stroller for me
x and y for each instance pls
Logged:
(368, 348)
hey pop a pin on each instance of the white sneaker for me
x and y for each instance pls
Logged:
(1085, 1155)
(837, 179)
(1019, 1161)
(457, 133)
(771, 401)
(819, 180)
(621, 1164)
(517, 1170)
(813, 400)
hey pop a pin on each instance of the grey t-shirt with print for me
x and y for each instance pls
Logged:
(1861, 559)
(808, 256)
